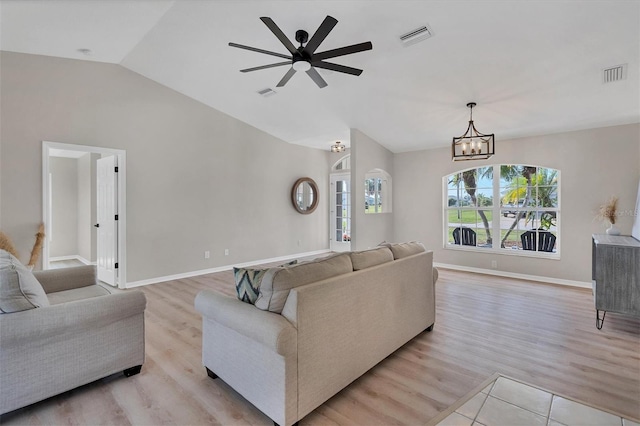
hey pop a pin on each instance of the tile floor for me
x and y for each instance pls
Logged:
(509, 402)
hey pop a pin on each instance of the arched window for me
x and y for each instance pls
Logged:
(342, 164)
(513, 209)
(377, 191)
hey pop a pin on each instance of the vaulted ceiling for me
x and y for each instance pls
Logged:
(533, 67)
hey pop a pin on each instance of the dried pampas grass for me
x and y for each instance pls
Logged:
(608, 211)
(37, 247)
(7, 245)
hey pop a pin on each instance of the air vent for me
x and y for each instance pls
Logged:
(417, 35)
(617, 73)
(266, 92)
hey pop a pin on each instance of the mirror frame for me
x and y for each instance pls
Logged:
(314, 188)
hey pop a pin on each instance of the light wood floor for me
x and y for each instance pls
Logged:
(542, 334)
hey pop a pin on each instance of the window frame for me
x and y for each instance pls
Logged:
(497, 210)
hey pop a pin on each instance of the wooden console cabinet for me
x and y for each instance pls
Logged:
(615, 274)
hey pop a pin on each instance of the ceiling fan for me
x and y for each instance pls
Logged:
(304, 58)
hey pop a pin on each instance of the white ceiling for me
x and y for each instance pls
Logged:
(533, 67)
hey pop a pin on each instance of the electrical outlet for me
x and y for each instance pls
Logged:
(226, 252)
(494, 264)
(207, 254)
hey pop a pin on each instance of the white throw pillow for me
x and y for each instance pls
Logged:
(19, 289)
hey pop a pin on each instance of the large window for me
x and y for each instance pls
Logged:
(503, 208)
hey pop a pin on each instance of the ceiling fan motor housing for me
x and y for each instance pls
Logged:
(302, 36)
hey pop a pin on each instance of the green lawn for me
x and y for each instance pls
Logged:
(468, 216)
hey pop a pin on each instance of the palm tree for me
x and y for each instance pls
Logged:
(510, 174)
(469, 179)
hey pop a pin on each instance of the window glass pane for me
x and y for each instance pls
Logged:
(547, 196)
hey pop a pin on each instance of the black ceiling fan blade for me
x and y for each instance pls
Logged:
(286, 77)
(316, 77)
(341, 51)
(255, 49)
(336, 67)
(264, 67)
(279, 34)
(321, 33)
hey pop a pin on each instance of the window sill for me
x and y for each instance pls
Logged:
(507, 252)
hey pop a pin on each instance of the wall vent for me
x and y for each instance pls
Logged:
(417, 35)
(266, 92)
(617, 73)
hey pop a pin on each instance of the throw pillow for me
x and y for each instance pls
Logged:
(19, 289)
(248, 282)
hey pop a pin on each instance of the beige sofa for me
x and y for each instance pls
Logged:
(351, 311)
(64, 334)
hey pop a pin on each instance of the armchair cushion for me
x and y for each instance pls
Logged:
(19, 289)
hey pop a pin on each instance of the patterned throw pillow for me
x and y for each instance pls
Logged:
(248, 282)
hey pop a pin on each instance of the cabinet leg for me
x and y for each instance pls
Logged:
(600, 321)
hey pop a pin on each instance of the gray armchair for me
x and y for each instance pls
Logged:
(88, 332)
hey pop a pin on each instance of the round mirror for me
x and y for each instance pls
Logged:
(304, 195)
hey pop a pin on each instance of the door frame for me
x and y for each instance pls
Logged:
(121, 278)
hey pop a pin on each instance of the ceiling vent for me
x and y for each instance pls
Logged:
(266, 92)
(617, 73)
(417, 35)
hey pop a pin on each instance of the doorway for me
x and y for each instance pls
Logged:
(84, 201)
(340, 212)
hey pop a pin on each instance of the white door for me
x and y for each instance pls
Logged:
(107, 214)
(340, 212)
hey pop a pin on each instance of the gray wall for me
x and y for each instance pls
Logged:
(197, 179)
(594, 164)
(368, 230)
(64, 207)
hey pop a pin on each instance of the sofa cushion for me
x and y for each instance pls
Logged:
(79, 293)
(368, 258)
(19, 289)
(277, 282)
(406, 249)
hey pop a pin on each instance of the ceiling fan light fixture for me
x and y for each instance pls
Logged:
(301, 65)
(472, 145)
(337, 147)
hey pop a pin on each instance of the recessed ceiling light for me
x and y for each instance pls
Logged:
(86, 52)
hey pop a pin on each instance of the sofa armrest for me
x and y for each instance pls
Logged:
(267, 328)
(54, 280)
(70, 318)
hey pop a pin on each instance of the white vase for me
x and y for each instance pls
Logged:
(612, 230)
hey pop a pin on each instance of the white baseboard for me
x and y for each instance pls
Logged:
(222, 268)
(514, 275)
(71, 257)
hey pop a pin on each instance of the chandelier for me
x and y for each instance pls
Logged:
(472, 145)
(337, 147)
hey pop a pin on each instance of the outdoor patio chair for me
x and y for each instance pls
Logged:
(546, 241)
(468, 236)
